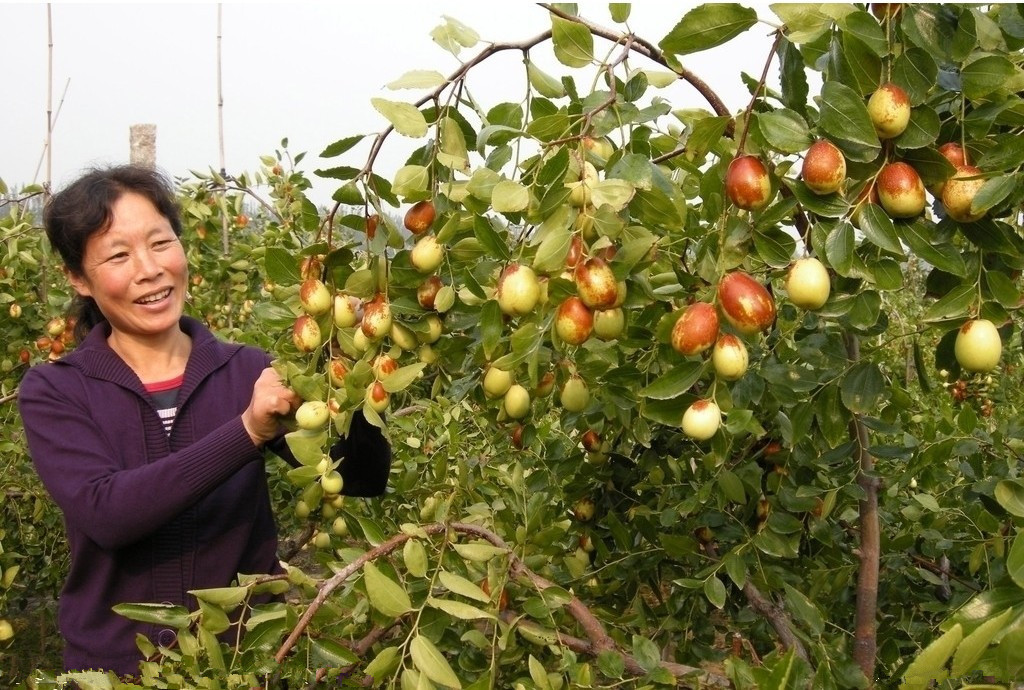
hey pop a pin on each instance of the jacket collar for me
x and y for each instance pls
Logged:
(96, 359)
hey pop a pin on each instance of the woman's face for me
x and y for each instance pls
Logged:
(135, 270)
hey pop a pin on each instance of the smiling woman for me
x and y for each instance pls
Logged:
(149, 435)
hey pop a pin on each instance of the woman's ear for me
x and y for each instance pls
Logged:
(78, 282)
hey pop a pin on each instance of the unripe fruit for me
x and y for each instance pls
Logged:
(332, 482)
(55, 327)
(746, 304)
(696, 329)
(306, 334)
(14, 310)
(420, 217)
(427, 254)
(403, 337)
(340, 526)
(867, 195)
(730, 358)
(434, 330)
(324, 466)
(580, 192)
(978, 346)
(517, 402)
(701, 420)
(315, 297)
(959, 192)
(889, 110)
(426, 293)
(807, 283)
(311, 268)
(360, 342)
(427, 354)
(376, 317)
(312, 415)
(596, 284)
(824, 169)
(575, 394)
(518, 290)
(747, 183)
(600, 147)
(301, 509)
(322, 540)
(377, 397)
(573, 321)
(6, 630)
(584, 509)
(609, 323)
(345, 307)
(900, 190)
(496, 382)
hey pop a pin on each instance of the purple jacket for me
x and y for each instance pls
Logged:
(150, 516)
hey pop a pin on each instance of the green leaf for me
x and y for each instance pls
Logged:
(556, 233)
(1003, 289)
(707, 26)
(676, 382)
(804, 609)
(226, 598)
(920, 236)
(429, 661)
(866, 29)
(403, 377)
(993, 192)
(922, 130)
(415, 558)
(929, 664)
(537, 674)
(862, 388)
(460, 585)
(329, 653)
(479, 552)
(1015, 560)
(281, 267)
(844, 118)
(405, 117)
(385, 595)
(785, 130)
(158, 614)
(714, 590)
(956, 302)
(411, 180)
(543, 83)
(509, 197)
(856, 65)
(705, 135)
(775, 247)
(916, 72)
(341, 146)
(920, 368)
(384, 664)
(804, 21)
(416, 79)
(459, 609)
(839, 248)
(732, 487)
(974, 645)
(985, 75)
(613, 193)
(490, 239)
(879, 230)
(573, 42)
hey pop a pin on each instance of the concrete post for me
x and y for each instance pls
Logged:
(143, 145)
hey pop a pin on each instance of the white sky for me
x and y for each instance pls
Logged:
(306, 71)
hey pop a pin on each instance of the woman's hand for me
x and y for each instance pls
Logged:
(271, 399)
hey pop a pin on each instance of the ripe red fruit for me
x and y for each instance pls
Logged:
(824, 169)
(426, 293)
(24, 356)
(900, 190)
(241, 220)
(517, 436)
(337, 371)
(376, 317)
(371, 225)
(420, 217)
(384, 365)
(746, 304)
(696, 329)
(311, 267)
(545, 385)
(573, 321)
(596, 284)
(575, 251)
(957, 157)
(377, 396)
(591, 441)
(747, 183)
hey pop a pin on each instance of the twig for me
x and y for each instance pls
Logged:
(598, 639)
(865, 643)
(757, 92)
(773, 613)
(9, 397)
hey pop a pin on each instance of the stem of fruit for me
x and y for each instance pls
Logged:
(864, 635)
(757, 92)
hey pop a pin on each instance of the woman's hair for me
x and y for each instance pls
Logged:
(85, 207)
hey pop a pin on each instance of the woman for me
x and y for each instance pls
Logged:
(150, 435)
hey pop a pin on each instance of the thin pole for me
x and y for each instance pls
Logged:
(220, 135)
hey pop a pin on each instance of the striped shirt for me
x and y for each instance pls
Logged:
(165, 397)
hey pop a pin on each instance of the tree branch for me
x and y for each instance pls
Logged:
(865, 643)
